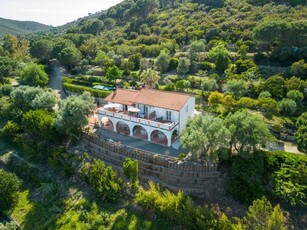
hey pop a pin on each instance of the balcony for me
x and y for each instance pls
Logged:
(134, 118)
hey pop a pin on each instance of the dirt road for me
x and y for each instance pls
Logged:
(58, 72)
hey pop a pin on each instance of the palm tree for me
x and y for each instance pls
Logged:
(149, 77)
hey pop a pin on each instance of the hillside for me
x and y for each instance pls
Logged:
(14, 27)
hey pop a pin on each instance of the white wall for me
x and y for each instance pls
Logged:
(185, 114)
(160, 112)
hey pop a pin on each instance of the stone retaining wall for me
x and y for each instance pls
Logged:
(167, 171)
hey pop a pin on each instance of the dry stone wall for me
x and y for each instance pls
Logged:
(167, 171)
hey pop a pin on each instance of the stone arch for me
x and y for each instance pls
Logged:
(159, 137)
(140, 132)
(107, 123)
(123, 128)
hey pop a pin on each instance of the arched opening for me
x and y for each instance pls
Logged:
(158, 137)
(123, 128)
(106, 123)
(174, 135)
(140, 132)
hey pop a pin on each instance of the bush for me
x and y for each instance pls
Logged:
(130, 168)
(104, 180)
(278, 174)
(9, 186)
(6, 90)
(247, 177)
(182, 156)
(169, 87)
(173, 64)
(288, 175)
(10, 130)
(206, 66)
(176, 208)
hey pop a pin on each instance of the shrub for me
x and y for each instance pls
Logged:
(6, 90)
(130, 168)
(10, 130)
(206, 66)
(182, 156)
(104, 180)
(261, 215)
(176, 208)
(288, 175)
(247, 175)
(173, 64)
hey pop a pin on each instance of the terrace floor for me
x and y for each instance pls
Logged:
(139, 143)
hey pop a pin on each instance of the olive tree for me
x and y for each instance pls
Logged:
(73, 112)
(248, 132)
(204, 136)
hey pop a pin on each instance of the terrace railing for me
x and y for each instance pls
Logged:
(142, 121)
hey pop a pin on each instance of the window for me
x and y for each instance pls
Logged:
(168, 115)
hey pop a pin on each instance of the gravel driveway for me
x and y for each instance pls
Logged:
(58, 72)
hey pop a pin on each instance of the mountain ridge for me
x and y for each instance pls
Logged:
(16, 27)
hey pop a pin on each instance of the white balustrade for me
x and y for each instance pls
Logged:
(142, 121)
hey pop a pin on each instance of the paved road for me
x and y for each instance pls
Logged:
(58, 72)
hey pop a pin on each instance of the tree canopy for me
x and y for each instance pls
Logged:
(73, 112)
(34, 75)
(248, 132)
(204, 136)
(9, 186)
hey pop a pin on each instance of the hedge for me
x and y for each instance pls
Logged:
(80, 89)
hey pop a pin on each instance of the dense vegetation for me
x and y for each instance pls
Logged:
(245, 61)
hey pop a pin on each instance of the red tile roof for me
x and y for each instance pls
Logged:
(161, 99)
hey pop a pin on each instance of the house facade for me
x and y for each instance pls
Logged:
(152, 115)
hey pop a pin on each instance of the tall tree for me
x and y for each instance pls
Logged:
(162, 61)
(299, 69)
(42, 49)
(220, 55)
(276, 85)
(267, 33)
(6, 67)
(73, 112)
(183, 65)
(195, 48)
(248, 132)
(114, 73)
(70, 56)
(236, 88)
(204, 136)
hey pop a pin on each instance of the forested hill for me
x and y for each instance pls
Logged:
(14, 27)
(148, 26)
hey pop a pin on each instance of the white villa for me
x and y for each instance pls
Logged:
(153, 115)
